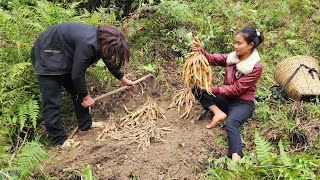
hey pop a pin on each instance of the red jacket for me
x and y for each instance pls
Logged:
(240, 77)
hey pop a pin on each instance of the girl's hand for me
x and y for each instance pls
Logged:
(196, 45)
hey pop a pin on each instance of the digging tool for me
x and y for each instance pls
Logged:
(121, 89)
(111, 93)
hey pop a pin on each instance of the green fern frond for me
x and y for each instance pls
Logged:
(263, 148)
(33, 111)
(306, 161)
(22, 115)
(13, 97)
(18, 69)
(234, 166)
(30, 158)
(284, 158)
(100, 63)
(11, 120)
(73, 5)
(97, 73)
(176, 12)
(27, 112)
(102, 74)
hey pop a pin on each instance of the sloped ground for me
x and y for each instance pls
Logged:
(182, 155)
(184, 152)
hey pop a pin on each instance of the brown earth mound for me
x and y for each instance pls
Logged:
(182, 155)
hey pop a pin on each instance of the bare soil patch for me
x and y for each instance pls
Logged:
(182, 155)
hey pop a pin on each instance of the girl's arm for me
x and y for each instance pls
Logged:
(215, 59)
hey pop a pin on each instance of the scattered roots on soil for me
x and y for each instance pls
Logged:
(197, 72)
(138, 127)
(184, 100)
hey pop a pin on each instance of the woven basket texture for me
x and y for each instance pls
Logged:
(302, 84)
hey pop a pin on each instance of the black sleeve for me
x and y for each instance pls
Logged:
(82, 60)
(116, 73)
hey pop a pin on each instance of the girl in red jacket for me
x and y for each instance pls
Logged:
(234, 102)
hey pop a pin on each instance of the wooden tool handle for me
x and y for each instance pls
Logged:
(111, 93)
(74, 131)
(121, 88)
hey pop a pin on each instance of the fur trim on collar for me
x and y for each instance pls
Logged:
(245, 66)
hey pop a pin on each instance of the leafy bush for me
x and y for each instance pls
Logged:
(265, 163)
(28, 159)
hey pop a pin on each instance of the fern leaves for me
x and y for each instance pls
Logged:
(18, 107)
(27, 113)
(266, 164)
(31, 156)
(33, 112)
(100, 72)
(13, 75)
(263, 148)
(29, 160)
(22, 114)
(284, 158)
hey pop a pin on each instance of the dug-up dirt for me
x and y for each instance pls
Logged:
(182, 154)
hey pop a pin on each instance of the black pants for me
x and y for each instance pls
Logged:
(50, 88)
(238, 112)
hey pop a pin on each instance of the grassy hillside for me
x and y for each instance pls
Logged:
(160, 34)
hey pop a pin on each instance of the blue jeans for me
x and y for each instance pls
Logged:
(238, 112)
(50, 88)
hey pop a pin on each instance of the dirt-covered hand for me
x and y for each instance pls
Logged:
(126, 81)
(196, 45)
(87, 101)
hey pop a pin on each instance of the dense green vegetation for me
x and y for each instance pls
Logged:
(160, 32)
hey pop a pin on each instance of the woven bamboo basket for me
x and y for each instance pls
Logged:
(302, 86)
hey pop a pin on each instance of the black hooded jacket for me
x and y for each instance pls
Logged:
(68, 48)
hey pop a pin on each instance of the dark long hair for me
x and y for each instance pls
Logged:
(115, 49)
(251, 34)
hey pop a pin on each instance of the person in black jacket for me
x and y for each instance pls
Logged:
(60, 57)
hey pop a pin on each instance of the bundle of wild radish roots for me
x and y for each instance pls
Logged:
(196, 73)
(139, 126)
